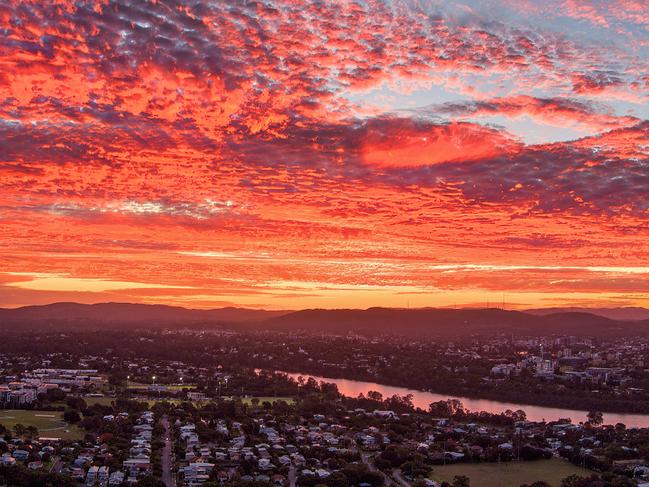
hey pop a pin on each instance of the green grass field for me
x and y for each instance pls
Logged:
(510, 474)
(102, 401)
(50, 424)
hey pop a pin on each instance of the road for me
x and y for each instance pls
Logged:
(292, 476)
(167, 456)
(57, 465)
(397, 475)
(368, 460)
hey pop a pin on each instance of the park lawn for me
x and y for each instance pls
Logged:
(102, 401)
(50, 424)
(510, 474)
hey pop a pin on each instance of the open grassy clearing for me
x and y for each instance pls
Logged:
(50, 424)
(509, 474)
(103, 401)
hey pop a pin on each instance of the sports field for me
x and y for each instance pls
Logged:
(50, 424)
(509, 474)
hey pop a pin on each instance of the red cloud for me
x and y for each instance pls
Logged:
(406, 143)
(555, 111)
(595, 82)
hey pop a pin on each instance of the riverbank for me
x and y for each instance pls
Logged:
(422, 399)
(526, 398)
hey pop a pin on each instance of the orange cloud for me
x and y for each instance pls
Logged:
(407, 144)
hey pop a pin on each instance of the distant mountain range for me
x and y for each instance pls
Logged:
(625, 314)
(441, 322)
(120, 314)
(453, 322)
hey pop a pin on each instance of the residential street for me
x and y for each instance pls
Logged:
(399, 478)
(367, 460)
(292, 476)
(57, 465)
(167, 456)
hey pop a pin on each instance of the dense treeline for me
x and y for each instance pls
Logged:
(18, 476)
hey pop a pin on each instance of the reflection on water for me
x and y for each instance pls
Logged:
(421, 399)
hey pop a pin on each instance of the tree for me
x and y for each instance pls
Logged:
(55, 394)
(71, 416)
(615, 480)
(17, 476)
(520, 415)
(414, 469)
(375, 396)
(446, 409)
(574, 481)
(20, 429)
(616, 452)
(596, 418)
(461, 481)
(359, 473)
(32, 431)
(77, 403)
(395, 455)
(337, 479)
(150, 481)
(117, 379)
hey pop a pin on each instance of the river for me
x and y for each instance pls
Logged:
(422, 399)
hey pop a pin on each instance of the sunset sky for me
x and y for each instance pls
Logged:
(293, 154)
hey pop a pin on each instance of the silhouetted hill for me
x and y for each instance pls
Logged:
(117, 315)
(441, 322)
(452, 322)
(623, 314)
